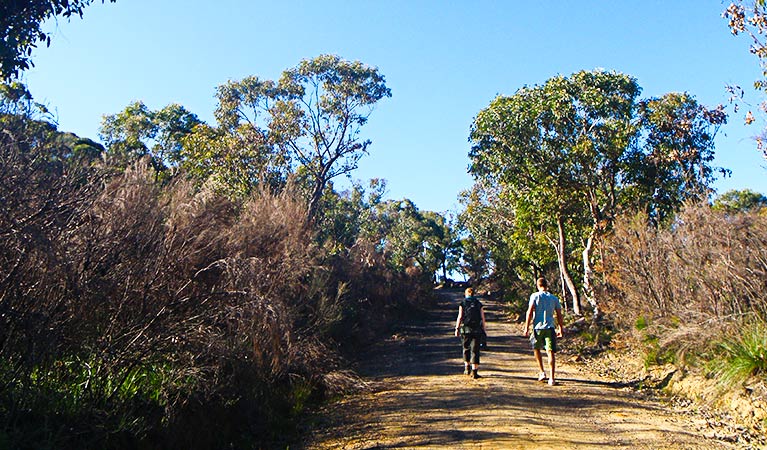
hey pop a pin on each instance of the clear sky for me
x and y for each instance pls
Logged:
(443, 60)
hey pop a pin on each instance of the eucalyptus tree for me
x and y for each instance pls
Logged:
(30, 125)
(474, 258)
(409, 237)
(739, 201)
(406, 237)
(553, 147)
(313, 115)
(321, 107)
(573, 153)
(137, 131)
(240, 152)
(499, 228)
(441, 242)
(672, 162)
(451, 244)
(349, 216)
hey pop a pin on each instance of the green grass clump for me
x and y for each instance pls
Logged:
(654, 353)
(744, 356)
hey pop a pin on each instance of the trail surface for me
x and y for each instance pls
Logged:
(419, 398)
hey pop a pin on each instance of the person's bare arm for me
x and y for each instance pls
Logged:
(529, 318)
(558, 311)
(483, 320)
(458, 320)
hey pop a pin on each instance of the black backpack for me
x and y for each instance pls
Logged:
(472, 315)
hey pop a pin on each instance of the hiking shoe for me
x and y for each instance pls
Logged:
(552, 382)
(475, 375)
(466, 370)
(542, 377)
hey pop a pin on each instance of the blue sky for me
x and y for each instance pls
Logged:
(443, 60)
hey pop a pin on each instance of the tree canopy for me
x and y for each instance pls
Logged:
(21, 30)
(561, 160)
(739, 201)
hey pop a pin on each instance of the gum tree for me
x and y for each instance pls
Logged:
(570, 155)
(137, 131)
(313, 115)
(321, 107)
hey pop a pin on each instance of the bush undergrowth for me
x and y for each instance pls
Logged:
(138, 314)
(742, 356)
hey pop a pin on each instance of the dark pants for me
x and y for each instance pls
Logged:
(471, 347)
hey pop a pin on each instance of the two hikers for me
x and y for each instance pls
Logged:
(470, 325)
(541, 310)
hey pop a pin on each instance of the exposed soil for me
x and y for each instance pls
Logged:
(418, 397)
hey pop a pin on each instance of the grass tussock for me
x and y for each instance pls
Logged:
(743, 355)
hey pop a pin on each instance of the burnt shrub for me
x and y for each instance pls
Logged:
(142, 314)
(692, 283)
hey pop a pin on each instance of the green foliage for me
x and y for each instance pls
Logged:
(641, 323)
(739, 201)
(657, 356)
(556, 164)
(475, 258)
(654, 353)
(311, 117)
(743, 355)
(62, 400)
(305, 126)
(673, 162)
(21, 30)
(409, 237)
(317, 119)
(137, 132)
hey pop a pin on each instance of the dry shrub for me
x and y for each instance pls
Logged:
(101, 285)
(135, 314)
(141, 314)
(705, 273)
(44, 199)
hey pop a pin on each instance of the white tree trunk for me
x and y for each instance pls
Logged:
(562, 258)
(588, 274)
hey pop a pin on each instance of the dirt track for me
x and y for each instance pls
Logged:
(419, 398)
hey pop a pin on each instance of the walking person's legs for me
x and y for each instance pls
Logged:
(475, 340)
(537, 340)
(466, 344)
(539, 360)
(551, 349)
(552, 365)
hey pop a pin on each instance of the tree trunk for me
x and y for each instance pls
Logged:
(588, 273)
(562, 258)
(564, 290)
(444, 269)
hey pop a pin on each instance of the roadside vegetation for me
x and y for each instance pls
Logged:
(188, 277)
(608, 194)
(184, 276)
